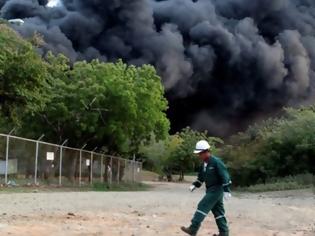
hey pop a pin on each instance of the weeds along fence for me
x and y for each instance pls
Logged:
(27, 162)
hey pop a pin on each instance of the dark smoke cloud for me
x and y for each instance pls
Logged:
(222, 61)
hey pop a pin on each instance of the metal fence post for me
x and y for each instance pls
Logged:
(130, 170)
(141, 167)
(111, 171)
(7, 159)
(80, 165)
(7, 156)
(60, 165)
(127, 170)
(60, 162)
(91, 166)
(133, 171)
(102, 168)
(80, 168)
(36, 159)
(133, 168)
(118, 170)
(137, 171)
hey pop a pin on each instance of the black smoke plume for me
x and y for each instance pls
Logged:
(223, 62)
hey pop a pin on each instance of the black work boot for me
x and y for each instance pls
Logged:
(188, 231)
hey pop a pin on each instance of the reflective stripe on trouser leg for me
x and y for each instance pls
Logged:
(222, 225)
(204, 207)
(201, 212)
(220, 219)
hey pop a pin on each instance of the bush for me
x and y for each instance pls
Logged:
(174, 155)
(301, 181)
(274, 148)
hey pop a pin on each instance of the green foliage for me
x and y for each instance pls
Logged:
(121, 187)
(182, 159)
(3, 21)
(109, 104)
(158, 154)
(275, 148)
(175, 154)
(301, 181)
(23, 76)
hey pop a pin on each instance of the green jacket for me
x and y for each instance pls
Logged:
(215, 176)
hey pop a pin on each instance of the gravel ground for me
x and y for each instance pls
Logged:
(160, 211)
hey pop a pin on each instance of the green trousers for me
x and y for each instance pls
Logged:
(212, 201)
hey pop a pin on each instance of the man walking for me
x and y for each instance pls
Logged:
(214, 173)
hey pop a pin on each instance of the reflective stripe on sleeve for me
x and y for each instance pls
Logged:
(230, 182)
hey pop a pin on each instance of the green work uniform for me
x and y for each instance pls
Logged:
(217, 181)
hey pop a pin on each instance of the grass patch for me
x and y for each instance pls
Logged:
(191, 174)
(99, 187)
(302, 181)
(41, 189)
(121, 187)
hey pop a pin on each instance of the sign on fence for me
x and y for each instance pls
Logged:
(50, 156)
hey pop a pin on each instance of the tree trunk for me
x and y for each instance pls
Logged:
(181, 176)
(169, 177)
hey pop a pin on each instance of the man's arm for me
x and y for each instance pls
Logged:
(200, 179)
(224, 176)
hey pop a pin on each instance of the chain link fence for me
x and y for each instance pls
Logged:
(26, 162)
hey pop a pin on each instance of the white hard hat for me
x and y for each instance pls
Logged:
(16, 21)
(201, 146)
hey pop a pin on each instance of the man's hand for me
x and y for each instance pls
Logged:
(227, 196)
(192, 188)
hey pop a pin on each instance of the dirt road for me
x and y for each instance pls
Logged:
(160, 211)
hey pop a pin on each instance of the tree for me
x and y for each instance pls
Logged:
(104, 104)
(175, 154)
(183, 159)
(157, 154)
(23, 76)
(289, 148)
(150, 102)
(277, 147)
